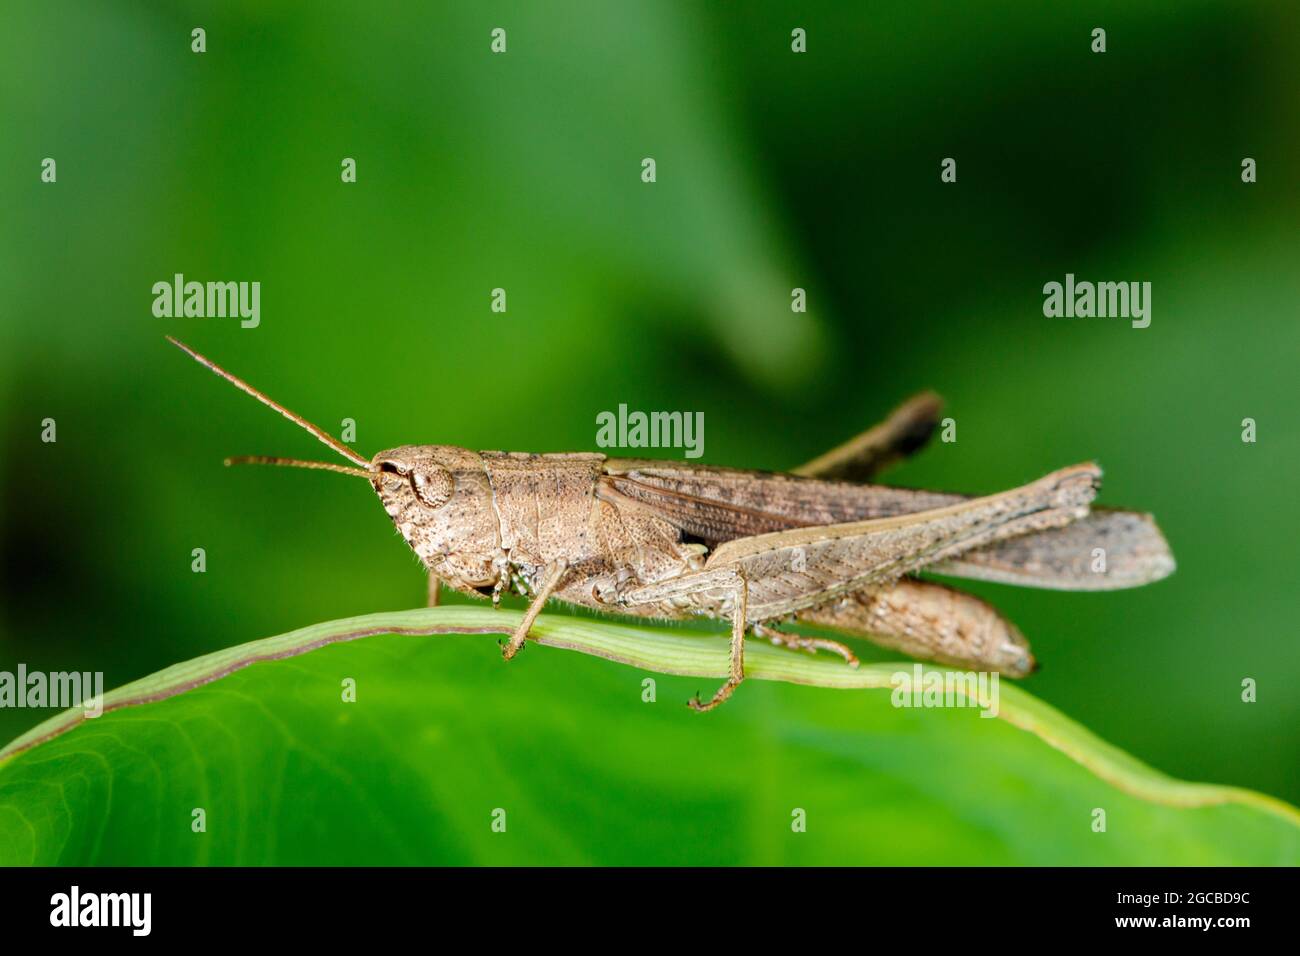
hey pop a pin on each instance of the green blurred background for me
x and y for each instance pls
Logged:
(775, 170)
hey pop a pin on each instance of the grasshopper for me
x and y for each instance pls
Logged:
(817, 546)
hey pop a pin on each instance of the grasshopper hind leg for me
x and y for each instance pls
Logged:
(930, 622)
(904, 432)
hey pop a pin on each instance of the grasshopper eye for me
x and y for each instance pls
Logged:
(433, 487)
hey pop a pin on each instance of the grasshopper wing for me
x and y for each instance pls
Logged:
(1107, 550)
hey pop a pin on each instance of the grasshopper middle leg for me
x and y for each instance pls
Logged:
(738, 626)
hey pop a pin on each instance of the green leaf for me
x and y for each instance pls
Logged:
(443, 739)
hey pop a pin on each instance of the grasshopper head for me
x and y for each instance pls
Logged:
(441, 502)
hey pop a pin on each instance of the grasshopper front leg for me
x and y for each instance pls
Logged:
(550, 581)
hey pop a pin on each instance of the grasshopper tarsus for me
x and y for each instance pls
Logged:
(809, 645)
(720, 697)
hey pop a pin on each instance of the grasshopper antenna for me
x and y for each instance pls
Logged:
(298, 420)
(297, 463)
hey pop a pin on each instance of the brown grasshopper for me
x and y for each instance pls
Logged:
(660, 539)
